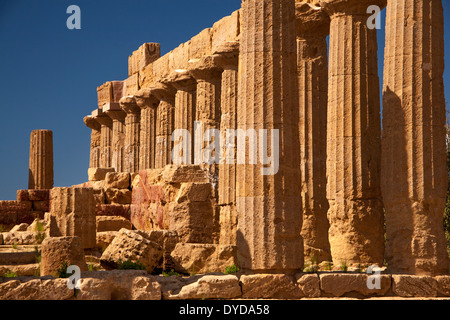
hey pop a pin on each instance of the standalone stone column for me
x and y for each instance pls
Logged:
(414, 175)
(147, 139)
(269, 206)
(106, 138)
(313, 27)
(41, 160)
(185, 106)
(94, 159)
(354, 129)
(132, 133)
(117, 115)
(72, 213)
(165, 123)
(208, 75)
(227, 57)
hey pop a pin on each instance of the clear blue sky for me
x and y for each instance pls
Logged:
(49, 74)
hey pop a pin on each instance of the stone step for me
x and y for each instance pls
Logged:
(21, 270)
(19, 255)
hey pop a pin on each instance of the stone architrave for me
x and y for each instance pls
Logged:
(227, 57)
(164, 124)
(354, 133)
(414, 172)
(313, 27)
(269, 206)
(148, 104)
(132, 134)
(94, 159)
(72, 214)
(185, 106)
(117, 115)
(106, 137)
(41, 160)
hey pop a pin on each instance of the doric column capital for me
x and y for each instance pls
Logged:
(311, 20)
(114, 111)
(101, 117)
(227, 55)
(182, 80)
(129, 105)
(163, 91)
(350, 7)
(205, 69)
(145, 99)
(91, 123)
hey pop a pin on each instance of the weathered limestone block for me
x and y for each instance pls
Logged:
(208, 287)
(179, 57)
(72, 213)
(114, 210)
(129, 245)
(203, 258)
(269, 207)
(12, 211)
(119, 180)
(443, 285)
(414, 172)
(105, 238)
(39, 195)
(94, 158)
(313, 27)
(110, 92)
(353, 135)
(273, 286)
(224, 30)
(36, 289)
(352, 285)
(147, 139)
(58, 250)
(414, 286)
(200, 45)
(41, 160)
(117, 116)
(167, 240)
(109, 223)
(309, 284)
(132, 84)
(98, 174)
(105, 138)
(132, 132)
(145, 55)
(118, 196)
(180, 174)
(194, 192)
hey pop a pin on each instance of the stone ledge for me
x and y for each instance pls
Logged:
(138, 285)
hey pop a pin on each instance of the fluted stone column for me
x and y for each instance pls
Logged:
(185, 106)
(313, 27)
(353, 167)
(132, 132)
(41, 160)
(269, 206)
(147, 139)
(106, 138)
(117, 115)
(414, 173)
(164, 124)
(227, 57)
(208, 75)
(94, 158)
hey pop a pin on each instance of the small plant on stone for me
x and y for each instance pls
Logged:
(91, 267)
(2, 228)
(40, 232)
(10, 274)
(15, 246)
(344, 266)
(130, 265)
(62, 270)
(170, 273)
(329, 266)
(359, 268)
(232, 269)
(311, 266)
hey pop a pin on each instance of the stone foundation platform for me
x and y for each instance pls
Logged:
(138, 285)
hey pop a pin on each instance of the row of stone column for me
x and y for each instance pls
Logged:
(327, 193)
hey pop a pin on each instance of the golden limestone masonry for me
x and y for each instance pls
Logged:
(253, 162)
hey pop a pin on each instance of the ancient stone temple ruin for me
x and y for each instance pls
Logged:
(257, 146)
